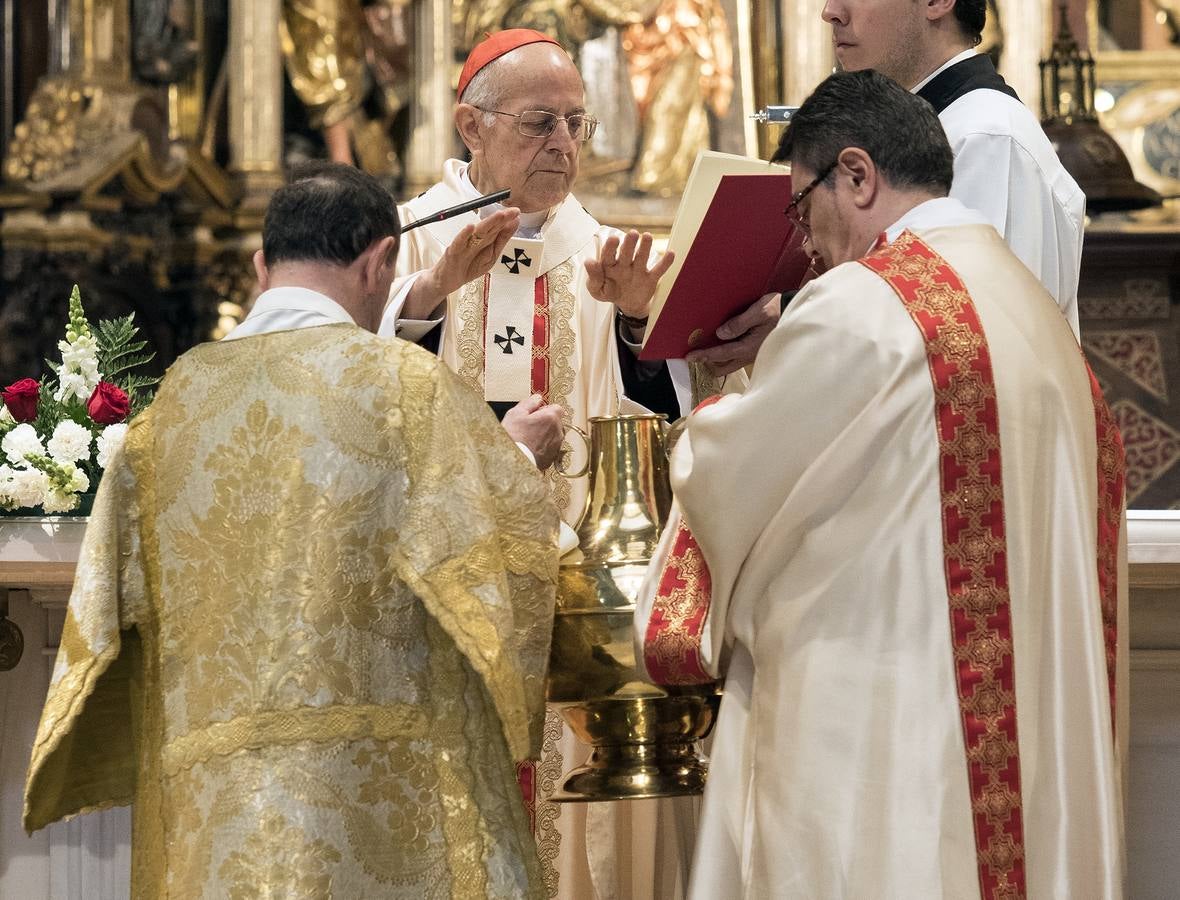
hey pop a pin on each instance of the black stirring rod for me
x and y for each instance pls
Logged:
(485, 200)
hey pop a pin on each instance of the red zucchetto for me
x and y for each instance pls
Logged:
(496, 45)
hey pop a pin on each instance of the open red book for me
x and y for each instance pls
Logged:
(733, 244)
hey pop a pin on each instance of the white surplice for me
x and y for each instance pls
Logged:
(839, 767)
(1006, 168)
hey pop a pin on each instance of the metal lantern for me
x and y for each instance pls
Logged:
(1089, 154)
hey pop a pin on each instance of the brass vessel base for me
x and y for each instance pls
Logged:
(643, 745)
(635, 772)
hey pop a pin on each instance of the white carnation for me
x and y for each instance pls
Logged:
(5, 416)
(109, 441)
(70, 442)
(57, 502)
(20, 443)
(28, 487)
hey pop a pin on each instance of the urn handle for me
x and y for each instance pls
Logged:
(585, 467)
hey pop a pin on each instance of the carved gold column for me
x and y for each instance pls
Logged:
(255, 103)
(432, 138)
(100, 31)
(808, 57)
(791, 52)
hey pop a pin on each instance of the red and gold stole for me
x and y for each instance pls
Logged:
(1112, 478)
(680, 609)
(672, 643)
(975, 549)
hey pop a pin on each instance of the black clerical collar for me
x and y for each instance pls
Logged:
(971, 74)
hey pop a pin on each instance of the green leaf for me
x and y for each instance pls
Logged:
(120, 351)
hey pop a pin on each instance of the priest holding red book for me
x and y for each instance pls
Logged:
(903, 547)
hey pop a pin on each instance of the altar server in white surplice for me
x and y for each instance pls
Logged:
(904, 549)
(536, 298)
(1005, 166)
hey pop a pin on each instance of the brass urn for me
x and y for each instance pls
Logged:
(643, 736)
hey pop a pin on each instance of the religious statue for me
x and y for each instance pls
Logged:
(681, 64)
(163, 44)
(349, 63)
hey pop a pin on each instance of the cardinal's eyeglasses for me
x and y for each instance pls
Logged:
(538, 123)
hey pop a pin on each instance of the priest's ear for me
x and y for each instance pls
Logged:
(378, 262)
(938, 9)
(857, 167)
(467, 121)
(261, 271)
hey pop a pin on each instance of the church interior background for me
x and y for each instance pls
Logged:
(141, 139)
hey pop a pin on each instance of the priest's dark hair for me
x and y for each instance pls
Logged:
(327, 212)
(971, 14)
(899, 130)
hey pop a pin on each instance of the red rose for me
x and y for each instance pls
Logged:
(108, 404)
(21, 399)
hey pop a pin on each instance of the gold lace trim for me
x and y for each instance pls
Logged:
(548, 774)
(562, 343)
(292, 726)
(472, 309)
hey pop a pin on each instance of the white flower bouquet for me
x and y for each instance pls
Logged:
(57, 435)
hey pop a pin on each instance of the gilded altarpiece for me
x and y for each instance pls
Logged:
(105, 184)
(145, 158)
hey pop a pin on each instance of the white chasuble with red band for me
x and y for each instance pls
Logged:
(913, 600)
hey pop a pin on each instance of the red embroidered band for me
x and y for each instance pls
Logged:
(974, 549)
(540, 370)
(1112, 474)
(672, 642)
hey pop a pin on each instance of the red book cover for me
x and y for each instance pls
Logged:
(744, 247)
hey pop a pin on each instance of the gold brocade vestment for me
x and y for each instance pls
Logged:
(308, 632)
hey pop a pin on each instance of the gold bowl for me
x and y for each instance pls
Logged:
(643, 736)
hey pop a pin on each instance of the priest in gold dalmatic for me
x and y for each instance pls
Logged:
(309, 629)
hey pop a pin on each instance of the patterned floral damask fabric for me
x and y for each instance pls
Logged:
(309, 631)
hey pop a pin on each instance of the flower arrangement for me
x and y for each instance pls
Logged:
(57, 435)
